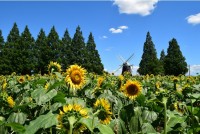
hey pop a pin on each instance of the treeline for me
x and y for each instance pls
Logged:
(173, 63)
(23, 54)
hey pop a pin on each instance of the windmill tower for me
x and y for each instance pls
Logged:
(126, 67)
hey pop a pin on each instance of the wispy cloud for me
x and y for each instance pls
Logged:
(194, 69)
(194, 19)
(109, 49)
(104, 37)
(118, 30)
(141, 7)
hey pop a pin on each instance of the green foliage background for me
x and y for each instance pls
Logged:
(24, 55)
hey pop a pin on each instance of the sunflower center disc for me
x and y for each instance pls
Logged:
(132, 90)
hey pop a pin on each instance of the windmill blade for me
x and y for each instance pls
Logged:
(118, 69)
(129, 58)
(122, 59)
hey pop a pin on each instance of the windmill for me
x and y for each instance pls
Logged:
(126, 67)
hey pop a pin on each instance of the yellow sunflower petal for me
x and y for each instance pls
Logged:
(131, 89)
(75, 77)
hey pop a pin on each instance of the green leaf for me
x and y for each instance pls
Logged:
(60, 97)
(141, 99)
(57, 84)
(16, 127)
(42, 97)
(118, 126)
(127, 112)
(135, 122)
(43, 121)
(39, 82)
(150, 116)
(174, 119)
(17, 118)
(148, 128)
(88, 123)
(55, 106)
(104, 129)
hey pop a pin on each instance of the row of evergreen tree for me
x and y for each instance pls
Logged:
(22, 54)
(171, 64)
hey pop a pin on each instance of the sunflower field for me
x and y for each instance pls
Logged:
(73, 101)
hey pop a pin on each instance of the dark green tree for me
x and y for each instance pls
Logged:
(162, 58)
(14, 35)
(42, 51)
(174, 63)
(1, 40)
(66, 52)
(94, 64)
(26, 57)
(2, 57)
(149, 63)
(11, 51)
(78, 48)
(54, 43)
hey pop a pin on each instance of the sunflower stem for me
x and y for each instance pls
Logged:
(72, 120)
(165, 114)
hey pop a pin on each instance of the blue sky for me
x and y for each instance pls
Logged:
(119, 27)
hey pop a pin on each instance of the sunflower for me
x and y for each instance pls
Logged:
(28, 77)
(175, 79)
(75, 76)
(158, 84)
(131, 89)
(21, 79)
(70, 110)
(54, 66)
(100, 81)
(104, 113)
(10, 102)
(4, 85)
(121, 77)
(46, 86)
(178, 108)
(179, 88)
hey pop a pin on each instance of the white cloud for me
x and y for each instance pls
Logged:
(104, 37)
(123, 27)
(113, 30)
(194, 69)
(141, 7)
(194, 19)
(118, 30)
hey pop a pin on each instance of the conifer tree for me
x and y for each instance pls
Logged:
(161, 60)
(66, 52)
(162, 56)
(78, 48)
(149, 63)
(2, 57)
(1, 40)
(14, 35)
(26, 57)
(42, 51)
(55, 44)
(174, 63)
(94, 64)
(11, 51)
